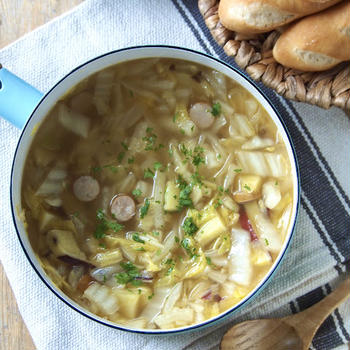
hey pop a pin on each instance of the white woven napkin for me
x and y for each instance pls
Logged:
(316, 259)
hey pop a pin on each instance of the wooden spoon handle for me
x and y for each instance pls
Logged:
(308, 321)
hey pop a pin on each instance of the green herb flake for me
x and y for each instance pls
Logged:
(102, 245)
(170, 152)
(176, 239)
(104, 225)
(144, 209)
(150, 296)
(139, 291)
(182, 131)
(124, 145)
(120, 156)
(141, 249)
(155, 233)
(276, 183)
(238, 170)
(208, 261)
(157, 165)
(137, 238)
(189, 226)
(96, 169)
(131, 160)
(218, 203)
(136, 192)
(148, 174)
(247, 187)
(216, 109)
(129, 274)
(266, 241)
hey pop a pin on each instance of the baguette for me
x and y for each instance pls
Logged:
(259, 16)
(316, 42)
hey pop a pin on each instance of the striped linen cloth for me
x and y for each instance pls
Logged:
(318, 258)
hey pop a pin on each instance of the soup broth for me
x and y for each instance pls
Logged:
(157, 193)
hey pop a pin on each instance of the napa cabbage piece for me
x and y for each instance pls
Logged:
(114, 241)
(171, 197)
(52, 186)
(271, 194)
(156, 303)
(263, 163)
(263, 226)
(257, 142)
(240, 266)
(177, 316)
(210, 230)
(103, 297)
(196, 265)
(129, 301)
(158, 195)
(108, 257)
(62, 243)
(173, 297)
(103, 91)
(183, 121)
(73, 121)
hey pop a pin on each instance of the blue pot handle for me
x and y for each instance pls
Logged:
(17, 98)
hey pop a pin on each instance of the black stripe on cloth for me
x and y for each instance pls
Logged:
(324, 200)
(338, 316)
(293, 307)
(327, 336)
(319, 153)
(322, 235)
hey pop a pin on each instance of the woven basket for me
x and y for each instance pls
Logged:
(253, 53)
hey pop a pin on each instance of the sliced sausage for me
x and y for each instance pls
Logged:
(201, 115)
(123, 207)
(86, 188)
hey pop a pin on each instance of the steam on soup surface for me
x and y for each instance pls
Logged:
(157, 193)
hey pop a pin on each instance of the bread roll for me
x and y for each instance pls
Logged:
(259, 16)
(316, 42)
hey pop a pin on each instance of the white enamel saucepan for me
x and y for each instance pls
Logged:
(26, 107)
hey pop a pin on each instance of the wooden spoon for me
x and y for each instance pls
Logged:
(294, 332)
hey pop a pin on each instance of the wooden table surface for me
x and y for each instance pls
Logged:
(18, 17)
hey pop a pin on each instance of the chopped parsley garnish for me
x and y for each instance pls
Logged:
(276, 183)
(131, 160)
(198, 158)
(196, 179)
(136, 192)
(102, 245)
(216, 109)
(148, 173)
(221, 189)
(150, 296)
(187, 245)
(176, 239)
(155, 233)
(137, 238)
(171, 152)
(170, 262)
(120, 156)
(129, 274)
(157, 165)
(144, 209)
(218, 203)
(185, 191)
(139, 291)
(141, 249)
(189, 226)
(238, 170)
(266, 241)
(208, 261)
(125, 146)
(182, 131)
(175, 117)
(104, 225)
(150, 141)
(247, 187)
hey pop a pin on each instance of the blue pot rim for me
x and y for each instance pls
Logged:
(229, 311)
